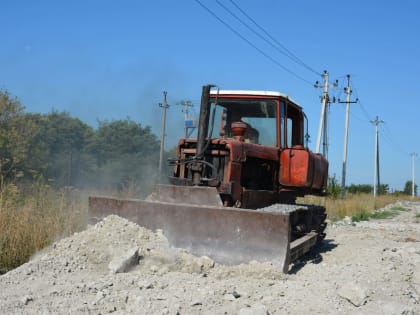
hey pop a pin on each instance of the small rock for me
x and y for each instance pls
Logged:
(228, 297)
(206, 263)
(111, 308)
(163, 271)
(196, 303)
(146, 284)
(201, 265)
(154, 268)
(161, 298)
(26, 299)
(353, 293)
(122, 263)
(100, 295)
(347, 220)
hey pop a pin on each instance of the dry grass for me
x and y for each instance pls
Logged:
(353, 205)
(30, 222)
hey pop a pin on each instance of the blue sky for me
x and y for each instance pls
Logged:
(106, 60)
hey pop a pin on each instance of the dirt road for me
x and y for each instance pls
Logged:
(370, 267)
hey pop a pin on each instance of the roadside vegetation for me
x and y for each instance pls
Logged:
(48, 162)
(32, 220)
(359, 207)
(359, 203)
(379, 214)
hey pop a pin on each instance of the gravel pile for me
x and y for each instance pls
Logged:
(283, 208)
(119, 267)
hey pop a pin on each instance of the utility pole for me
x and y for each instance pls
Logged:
(188, 122)
(348, 91)
(323, 121)
(376, 183)
(413, 185)
(164, 106)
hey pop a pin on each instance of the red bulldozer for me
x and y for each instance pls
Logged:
(232, 190)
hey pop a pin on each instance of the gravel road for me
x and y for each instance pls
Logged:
(115, 266)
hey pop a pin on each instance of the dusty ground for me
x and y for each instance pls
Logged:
(365, 268)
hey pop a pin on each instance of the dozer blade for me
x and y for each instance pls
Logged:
(227, 235)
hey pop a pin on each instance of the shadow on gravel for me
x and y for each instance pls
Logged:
(314, 256)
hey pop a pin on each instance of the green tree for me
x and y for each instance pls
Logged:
(65, 141)
(16, 136)
(333, 188)
(408, 188)
(383, 189)
(127, 155)
(358, 189)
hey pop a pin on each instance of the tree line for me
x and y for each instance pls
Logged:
(61, 150)
(334, 188)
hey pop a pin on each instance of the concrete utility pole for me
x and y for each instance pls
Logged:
(323, 121)
(348, 91)
(376, 183)
(413, 185)
(164, 106)
(188, 122)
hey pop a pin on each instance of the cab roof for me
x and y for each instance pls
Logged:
(215, 92)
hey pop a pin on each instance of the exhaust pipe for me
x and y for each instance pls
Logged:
(203, 127)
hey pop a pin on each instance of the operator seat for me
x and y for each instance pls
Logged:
(248, 133)
(251, 134)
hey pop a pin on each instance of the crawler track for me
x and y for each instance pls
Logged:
(307, 226)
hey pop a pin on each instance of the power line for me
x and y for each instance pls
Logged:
(338, 91)
(273, 43)
(251, 44)
(365, 112)
(388, 135)
(357, 117)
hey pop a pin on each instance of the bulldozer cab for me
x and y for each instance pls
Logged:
(258, 119)
(271, 121)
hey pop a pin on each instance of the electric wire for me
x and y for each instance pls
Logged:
(289, 53)
(252, 44)
(386, 132)
(339, 90)
(357, 117)
(363, 109)
(273, 43)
